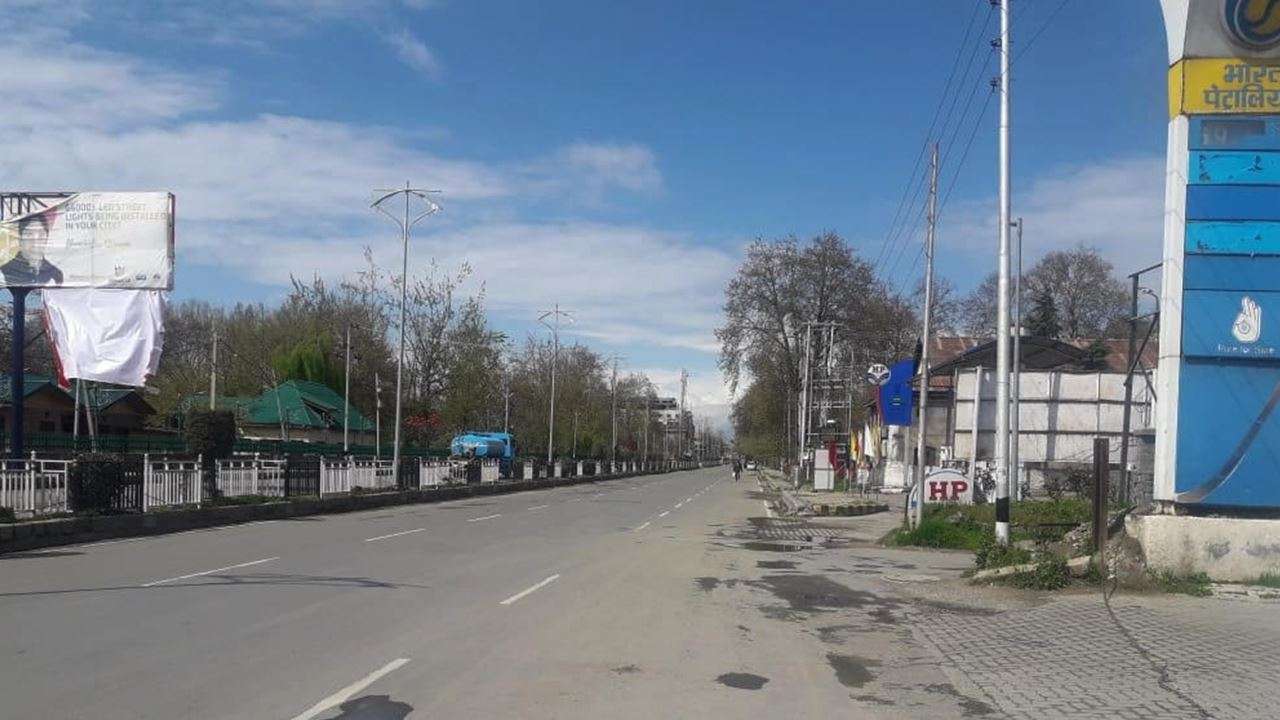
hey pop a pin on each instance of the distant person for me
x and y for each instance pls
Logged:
(22, 248)
(737, 469)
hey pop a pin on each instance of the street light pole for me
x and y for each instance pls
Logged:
(1015, 412)
(554, 326)
(405, 224)
(1002, 291)
(346, 395)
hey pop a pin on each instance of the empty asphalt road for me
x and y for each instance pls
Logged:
(598, 600)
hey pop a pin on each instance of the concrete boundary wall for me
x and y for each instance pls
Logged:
(1226, 549)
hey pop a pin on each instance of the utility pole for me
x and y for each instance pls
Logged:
(406, 224)
(213, 374)
(346, 395)
(930, 238)
(647, 418)
(613, 391)
(1002, 293)
(554, 326)
(377, 416)
(506, 401)
(684, 379)
(1015, 419)
(575, 434)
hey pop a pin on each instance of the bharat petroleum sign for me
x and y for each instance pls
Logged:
(1253, 24)
(1218, 384)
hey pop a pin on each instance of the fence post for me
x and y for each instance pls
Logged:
(146, 478)
(1101, 480)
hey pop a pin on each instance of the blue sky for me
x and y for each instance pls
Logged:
(611, 156)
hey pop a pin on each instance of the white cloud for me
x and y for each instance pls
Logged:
(1115, 205)
(413, 52)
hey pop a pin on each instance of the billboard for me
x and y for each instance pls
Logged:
(91, 239)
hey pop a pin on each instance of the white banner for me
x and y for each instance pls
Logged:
(91, 239)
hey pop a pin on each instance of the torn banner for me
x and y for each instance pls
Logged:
(107, 335)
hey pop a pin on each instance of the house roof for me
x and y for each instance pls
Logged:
(102, 397)
(304, 404)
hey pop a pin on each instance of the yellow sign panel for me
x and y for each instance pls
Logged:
(1223, 86)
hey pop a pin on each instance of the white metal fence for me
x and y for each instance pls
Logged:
(433, 472)
(34, 487)
(251, 476)
(346, 474)
(169, 483)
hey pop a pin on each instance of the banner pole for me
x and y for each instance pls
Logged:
(17, 389)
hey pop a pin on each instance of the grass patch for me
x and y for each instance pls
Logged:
(964, 527)
(937, 533)
(1194, 584)
(991, 554)
(1050, 573)
(1271, 580)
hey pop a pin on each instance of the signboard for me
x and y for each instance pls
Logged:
(1217, 432)
(943, 486)
(896, 397)
(91, 239)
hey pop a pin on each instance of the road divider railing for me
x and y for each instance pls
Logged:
(345, 475)
(250, 477)
(34, 487)
(171, 483)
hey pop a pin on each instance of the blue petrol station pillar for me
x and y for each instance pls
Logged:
(1218, 382)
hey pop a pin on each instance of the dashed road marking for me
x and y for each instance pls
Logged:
(664, 513)
(486, 517)
(530, 589)
(210, 572)
(645, 525)
(539, 507)
(398, 534)
(347, 692)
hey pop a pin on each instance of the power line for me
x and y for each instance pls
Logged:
(1043, 26)
(937, 113)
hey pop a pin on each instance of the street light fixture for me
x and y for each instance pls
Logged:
(405, 223)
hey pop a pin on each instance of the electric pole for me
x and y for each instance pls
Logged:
(613, 391)
(1015, 473)
(346, 394)
(930, 238)
(213, 374)
(684, 378)
(553, 325)
(377, 416)
(1002, 294)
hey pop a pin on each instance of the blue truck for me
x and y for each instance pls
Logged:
(471, 447)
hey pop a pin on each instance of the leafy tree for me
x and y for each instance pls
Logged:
(312, 360)
(210, 433)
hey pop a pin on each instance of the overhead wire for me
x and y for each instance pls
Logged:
(916, 178)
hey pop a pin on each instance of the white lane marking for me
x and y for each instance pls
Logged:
(663, 513)
(210, 572)
(345, 693)
(688, 499)
(406, 532)
(645, 525)
(530, 589)
(486, 517)
(539, 507)
(678, 505)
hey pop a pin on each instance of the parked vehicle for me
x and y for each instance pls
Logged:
(470, 447)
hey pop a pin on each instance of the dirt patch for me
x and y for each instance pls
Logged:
(742, 681)
(851, 670)
(707, 584)
(776, 564)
